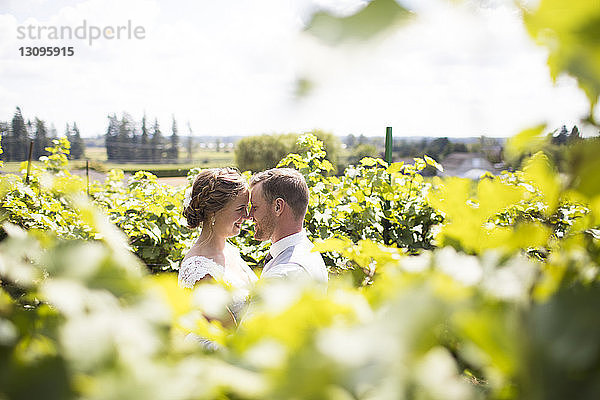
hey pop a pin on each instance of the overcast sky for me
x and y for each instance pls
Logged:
(230, 67)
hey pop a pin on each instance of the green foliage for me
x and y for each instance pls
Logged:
(257, 153)
(361, 151)
(149, 214)
(59, 154)
(500, 303)
(386, 204)
(570, 30)
(373, 20)
(497, 305)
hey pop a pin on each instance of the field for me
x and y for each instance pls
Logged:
(174, 173)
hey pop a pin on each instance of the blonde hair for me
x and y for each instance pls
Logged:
(211, 191)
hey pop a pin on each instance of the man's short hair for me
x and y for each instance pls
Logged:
(285, 183)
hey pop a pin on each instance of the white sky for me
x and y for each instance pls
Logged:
(229, 67)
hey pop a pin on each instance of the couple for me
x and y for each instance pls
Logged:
(218, 202)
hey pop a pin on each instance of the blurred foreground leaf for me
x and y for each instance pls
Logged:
(374, 19)
(570, 29)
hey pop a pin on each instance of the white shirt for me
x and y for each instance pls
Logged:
(292, 255)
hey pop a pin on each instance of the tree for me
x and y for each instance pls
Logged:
(17, 144)
(173, 150)
(112, 133)
(257, 153)
(439, 148)
(145, 149)
(190, 142)
(157, 142)
(77, 145)
(124, 138)
(52, 133)
(459, 148)
(575, 135)
(350, 141)
(4, 135)
(361, 151)
(562, 137)
(40, 140)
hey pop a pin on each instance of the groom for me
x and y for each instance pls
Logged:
(279, 198)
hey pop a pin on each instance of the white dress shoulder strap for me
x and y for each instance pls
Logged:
(197, 267)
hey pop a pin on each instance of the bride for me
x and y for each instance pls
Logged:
(218, 202)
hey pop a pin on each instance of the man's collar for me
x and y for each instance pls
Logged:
(284, 243)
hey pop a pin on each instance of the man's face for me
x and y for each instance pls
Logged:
(262, 214)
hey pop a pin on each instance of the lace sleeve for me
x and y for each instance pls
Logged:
(195, 268)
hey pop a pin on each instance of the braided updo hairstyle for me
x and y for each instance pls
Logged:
(211, 191)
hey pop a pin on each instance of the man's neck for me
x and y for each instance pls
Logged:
(285, 232)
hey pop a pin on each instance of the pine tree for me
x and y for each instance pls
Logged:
(40, 140)
(173, 151)
(145, 153)
(575, 135)
(134, 144)
(52, 133)
(30, 135)
(190, 142)
(110, 141)
(4, 134)
(157, 142)
(77, 145)
(17, 144)
(124, 139)
(562, 136)
(68, 135)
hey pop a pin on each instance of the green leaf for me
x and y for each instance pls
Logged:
(526, 141)
(377, 17)
(571, 32)
(433, 163)
(395, 167)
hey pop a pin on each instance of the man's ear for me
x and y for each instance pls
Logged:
(279, 204)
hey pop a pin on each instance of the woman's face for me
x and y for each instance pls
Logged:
(229, 219)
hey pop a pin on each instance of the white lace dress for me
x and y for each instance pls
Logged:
(195, 268)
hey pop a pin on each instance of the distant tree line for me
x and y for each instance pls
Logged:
(18, 134)
(564, 137)
(438, 148)
(127, 141)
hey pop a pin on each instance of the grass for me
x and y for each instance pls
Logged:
(99, 154)
(96, 153)
(14, 167)
(201, 158)
(98, 162)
